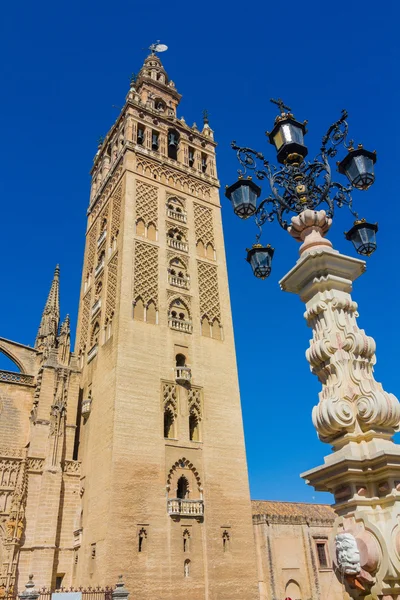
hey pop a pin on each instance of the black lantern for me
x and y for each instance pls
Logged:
(260, 259)
(243, 194)
(358, 166)
(363, 236)
(288, 138)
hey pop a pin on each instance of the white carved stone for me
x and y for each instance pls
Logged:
(354, 414)
(347, 554)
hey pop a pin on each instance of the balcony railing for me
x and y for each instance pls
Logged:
(92, 352)
(177, 244)
(101, 239)
(96, 307)
(180, 325)
(99, 268)
(182, 282)
(12, 377)
(187, 508)
(183, 374)
(178, 216)
(86, 407)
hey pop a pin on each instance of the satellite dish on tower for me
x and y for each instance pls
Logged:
(157, 47)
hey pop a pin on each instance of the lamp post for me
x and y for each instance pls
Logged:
(354, 413)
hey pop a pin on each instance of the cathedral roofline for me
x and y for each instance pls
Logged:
(287, 511)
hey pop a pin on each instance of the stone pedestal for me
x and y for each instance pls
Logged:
(354, 414)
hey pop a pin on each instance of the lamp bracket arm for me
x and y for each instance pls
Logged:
(336, 135)
(343, 197)
(251, 160)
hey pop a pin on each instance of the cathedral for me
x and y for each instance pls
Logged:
(127, 455)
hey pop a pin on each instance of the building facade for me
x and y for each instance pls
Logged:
(127, 455)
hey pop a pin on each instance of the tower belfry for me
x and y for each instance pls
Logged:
(165, 496)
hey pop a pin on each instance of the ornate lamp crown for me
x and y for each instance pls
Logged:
(298, 184)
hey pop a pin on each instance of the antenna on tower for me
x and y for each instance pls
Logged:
(157, 47)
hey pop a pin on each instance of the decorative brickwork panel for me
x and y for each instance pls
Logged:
(112, 279)
(85, 320)
(170, 396)
(116, 211)
(146, 273)
(146, 203)
(91, 248)
(208, 291)
(203, 225)
(173, 177)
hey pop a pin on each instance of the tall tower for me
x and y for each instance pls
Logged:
(165, 497)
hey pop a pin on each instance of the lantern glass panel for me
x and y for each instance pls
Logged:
(243, 195)
(363, 237)
(278, 139)
(358, 167)
(260, 260)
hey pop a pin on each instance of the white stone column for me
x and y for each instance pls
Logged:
(354, 414)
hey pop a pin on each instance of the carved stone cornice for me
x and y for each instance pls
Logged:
(292, 520)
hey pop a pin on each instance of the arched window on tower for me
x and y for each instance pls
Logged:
(151, 313)
(183, 373)
(176, 238)
(176, 209)
(173, 143)
(205, 327)
(138, 310)
(140, 135)
(186, 568)
(210, 254)
(177, 274)
(180, 360)
(186, 540)
(226, 538)
(169, 423)
(179, 317)
(159, 105)
(182, 489)
(194, 426)
(200, 248)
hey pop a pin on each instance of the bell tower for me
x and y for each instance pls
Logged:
(165, 497)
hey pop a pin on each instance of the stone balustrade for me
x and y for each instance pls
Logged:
(178, 216)
(181, 282)
(187, 508)
(86, 407)
(13, 377)
(183, 374)
(96, 307)
(101, 239)
(92, 352)
(99, 269)
(178, 244)
(180, 325)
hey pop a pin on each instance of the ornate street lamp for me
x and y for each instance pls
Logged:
(363, 236)
(354, 414)
(260, 259)
(299, 184)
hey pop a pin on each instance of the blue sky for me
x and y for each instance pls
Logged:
(66, 65)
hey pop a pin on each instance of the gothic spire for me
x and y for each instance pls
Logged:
(48, 329)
